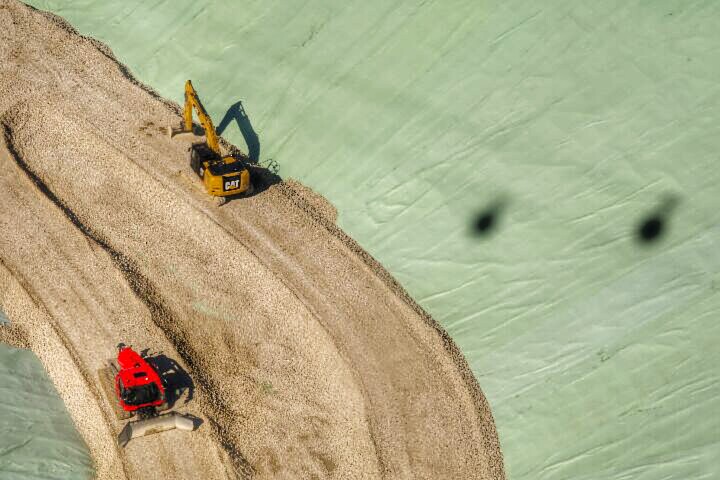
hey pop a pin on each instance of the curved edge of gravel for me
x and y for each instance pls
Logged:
(34, 330)
(14, 336)
(487, 422)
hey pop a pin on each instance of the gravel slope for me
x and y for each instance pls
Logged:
(308, 360)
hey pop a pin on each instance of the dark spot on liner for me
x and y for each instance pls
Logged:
(652, 229)
(655, 225)
(486, 221)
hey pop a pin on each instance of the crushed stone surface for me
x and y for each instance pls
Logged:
(307, 359)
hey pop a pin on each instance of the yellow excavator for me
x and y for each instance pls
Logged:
(222, 175)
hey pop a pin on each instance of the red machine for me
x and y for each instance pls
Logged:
(134, 387)
(138, 387)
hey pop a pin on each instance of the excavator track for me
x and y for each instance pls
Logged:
(107, 382)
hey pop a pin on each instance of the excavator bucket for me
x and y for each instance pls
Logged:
(153, 425)
(172, 131)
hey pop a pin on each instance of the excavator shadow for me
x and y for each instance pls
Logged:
(263, 176)
(237, 112)
(262, 179)
(177, 381)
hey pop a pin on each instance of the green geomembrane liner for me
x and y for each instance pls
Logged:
(541, 176)
(38, 439)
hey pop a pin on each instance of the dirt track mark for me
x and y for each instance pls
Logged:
(161, 316)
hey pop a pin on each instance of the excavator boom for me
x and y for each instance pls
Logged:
(192, 100)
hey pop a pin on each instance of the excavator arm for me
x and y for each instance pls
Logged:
(193, 101)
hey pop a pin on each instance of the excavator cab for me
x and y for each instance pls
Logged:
(139, 395)
(222, 175)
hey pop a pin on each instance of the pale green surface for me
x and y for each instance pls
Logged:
(38, 440)
(598, 356)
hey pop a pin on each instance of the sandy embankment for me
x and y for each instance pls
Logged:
(308, 360)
